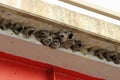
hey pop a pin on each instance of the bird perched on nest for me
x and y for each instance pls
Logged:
(44, 37)
(66, 39)
(41, 34)
(65, 35)
(55, 42)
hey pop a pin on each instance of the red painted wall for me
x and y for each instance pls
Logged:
(18, 68)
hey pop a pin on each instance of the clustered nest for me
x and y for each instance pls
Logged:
(60, 39)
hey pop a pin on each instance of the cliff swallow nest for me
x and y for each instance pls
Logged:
(60, 39)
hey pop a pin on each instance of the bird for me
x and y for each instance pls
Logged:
(66, 38)
(55, 43)
(28, 31)
(64, 35)
(17, 28)
(47, 40)
(41, 34)
(44, 37)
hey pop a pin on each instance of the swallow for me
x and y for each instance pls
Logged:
(41, 34)
(47, 40)
(55, 43)
(65, 35)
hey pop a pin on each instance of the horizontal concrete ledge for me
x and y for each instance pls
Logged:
(64, 16)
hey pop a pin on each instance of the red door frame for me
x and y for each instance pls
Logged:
(45, 71)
